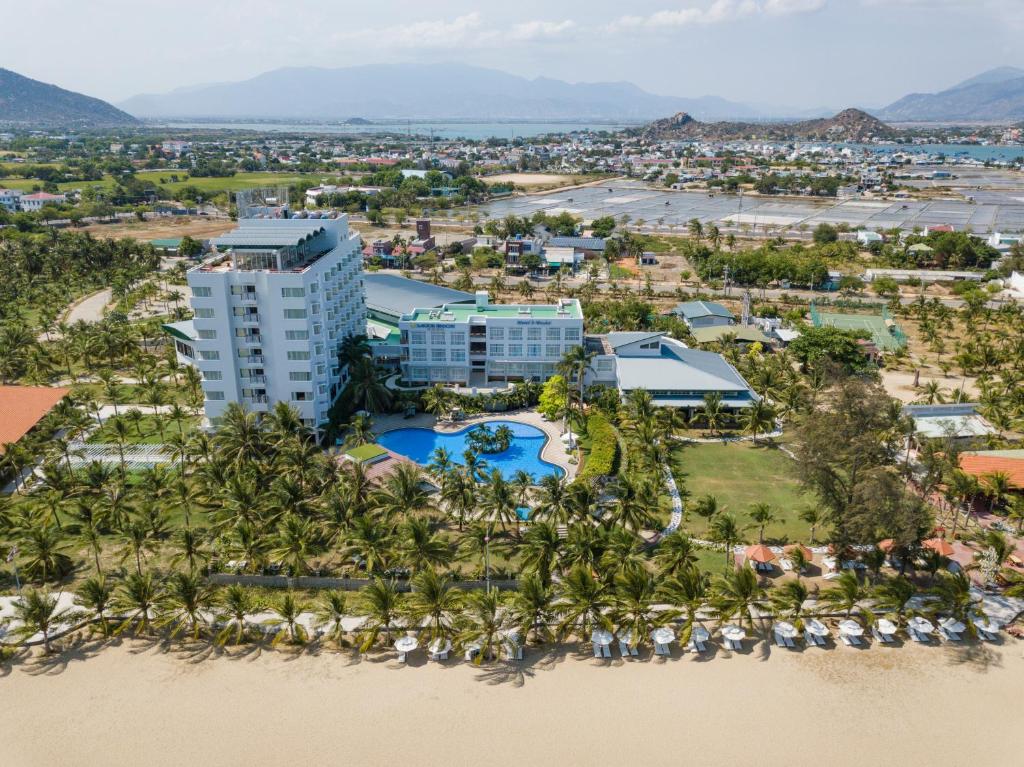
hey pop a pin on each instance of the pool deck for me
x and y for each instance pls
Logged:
(553, 452)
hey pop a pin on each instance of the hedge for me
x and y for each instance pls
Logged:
(604, 448)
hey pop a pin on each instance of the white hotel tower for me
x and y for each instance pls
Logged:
(271, 308)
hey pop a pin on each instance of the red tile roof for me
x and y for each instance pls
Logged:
(22, 407)
(979, 464)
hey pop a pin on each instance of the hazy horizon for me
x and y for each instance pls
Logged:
(802, 54)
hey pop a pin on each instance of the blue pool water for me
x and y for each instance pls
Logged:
(523, 453)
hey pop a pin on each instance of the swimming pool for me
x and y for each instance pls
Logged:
(523, 453)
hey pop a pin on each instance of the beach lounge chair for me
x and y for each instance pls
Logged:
(884, 638)
(471, 653)
(789, 641)
(401, 657)
(623, 649)
(917, 636)
(988, 636)
(951, 636)
(661, 649)
(785, 564)
(606, 651)
(597, 650)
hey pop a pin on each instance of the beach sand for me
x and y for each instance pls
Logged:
(141, 704)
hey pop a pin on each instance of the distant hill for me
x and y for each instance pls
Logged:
(28, 102)
(445, 91)
(993, 96)
(848, 125)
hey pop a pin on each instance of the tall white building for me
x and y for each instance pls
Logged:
(471, 344)
(271, 309)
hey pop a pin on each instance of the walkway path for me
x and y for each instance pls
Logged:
(90, 309)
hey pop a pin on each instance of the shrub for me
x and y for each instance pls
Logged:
(604, 448)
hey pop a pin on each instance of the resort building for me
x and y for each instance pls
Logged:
(959, 421)
(703, 314)
(471, 345)
(272, 306)
(675, 375)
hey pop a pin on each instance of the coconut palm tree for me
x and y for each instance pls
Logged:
(582, 602)
(329, 615)
(675, 552)
(540, 550)
(758, 418)
(892, 595)
(185, 604)
(813, 516)
(997, 486)
(94, 596)
(788, 601)
(726, 530)
(297, 541)
(574, 366)
(689, 589)
(235, 604)
(191, 548)
(532, 608)
(632, 603)
(422, 549)
(955, 598)
(712, 412)
(41, 550)
(403, 492)
(498, 500)
(459, 495)
(38, 613)
(553, 499)
(380, 601)
(287, 611)
(735, 592)
(370, 541)
(762, 514)
(483, 623)
(435, 603)
(136, 598)
(845, 594)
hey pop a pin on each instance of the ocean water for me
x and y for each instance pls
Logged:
(973, 151)
(524, 452)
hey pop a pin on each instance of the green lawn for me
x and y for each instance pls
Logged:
(212, 185)
(740, 475)
(145, 431)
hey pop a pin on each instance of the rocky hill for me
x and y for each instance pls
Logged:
(30, 103)
(848, 125)
(993, 96)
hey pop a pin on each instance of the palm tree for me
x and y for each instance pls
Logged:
(498, 500)
(94, 595)
(185, 603)
(532, 608)
(403, 492)
(712, 412)
(845, 594)
(788, 601)
(38, 613)
(676, 552)
(582, 602)
(330, 614)
(759, 418)
(459, 494)
(762, 515)
(421, 548)
(689, 589)
(137, 541)
(540, 549)
(483, 623)
(371, 542)
(42, 550)
(297, 541)
(288, 610)
(380, 601)
(574, 365)
(892, 595)
(436, 400)
(632, 605)
(236, 603)
(435, 603)
(136, 599)
(365, 390)
(812, 516)
(997, 486)
(191, 548)
(725, 530)
(735, 592)
(955, 598)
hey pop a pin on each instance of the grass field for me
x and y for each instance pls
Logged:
(739, 475)
(209, 185)
(870, 323)
(145, 431)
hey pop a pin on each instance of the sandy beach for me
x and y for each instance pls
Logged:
(142, 704)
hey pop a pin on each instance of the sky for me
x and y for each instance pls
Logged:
(791, 53)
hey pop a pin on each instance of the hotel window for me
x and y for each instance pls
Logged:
(497, 334)
(314, 287)
(515, 350)
(298, 356)
(318, 349)
(533, 334)
(419, 355)
(458, 355)
(296, 335)
(554, 334)
(437, 355)
(215, 396)
(317, 329)
(296, 375)
(532, 350)
(437, 338)
(572, 334)
(302, 396)
(418, 337)
(321, 370)
(204, 313)
(207, 335)
(201, 292)
(497, 350)
(515, 334)
(457, 339)
(295, 314)
(209, 356)
(293, 292)
(213, 375)
(418, 374)
(552, 350)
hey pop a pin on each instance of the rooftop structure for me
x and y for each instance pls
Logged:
(392, 296)
(956, 421)
(978, 463)
(22, 407)
(744, 334)
(697, 314)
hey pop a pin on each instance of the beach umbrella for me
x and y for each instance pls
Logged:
(663, 635)
(816, 627)
(986, 624)
(921, 625)
(808, 554)
(953, 625)
(406, 644)
(439, 646)
(850, 628)
(601, 637)
(700, 634)
(626, 637)
(735, 633)
(785, 629)
(939, 545)
(760, 553)
(886, 545)
(885, 626)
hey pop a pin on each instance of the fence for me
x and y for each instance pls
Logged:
(345, 584)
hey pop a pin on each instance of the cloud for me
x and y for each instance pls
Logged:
(718, 12)
(468, 30)
(540, 30)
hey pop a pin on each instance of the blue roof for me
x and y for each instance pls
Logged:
(583, 243)
(395, 295)
(693, 309)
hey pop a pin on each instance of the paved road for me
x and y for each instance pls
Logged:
(90, 309)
